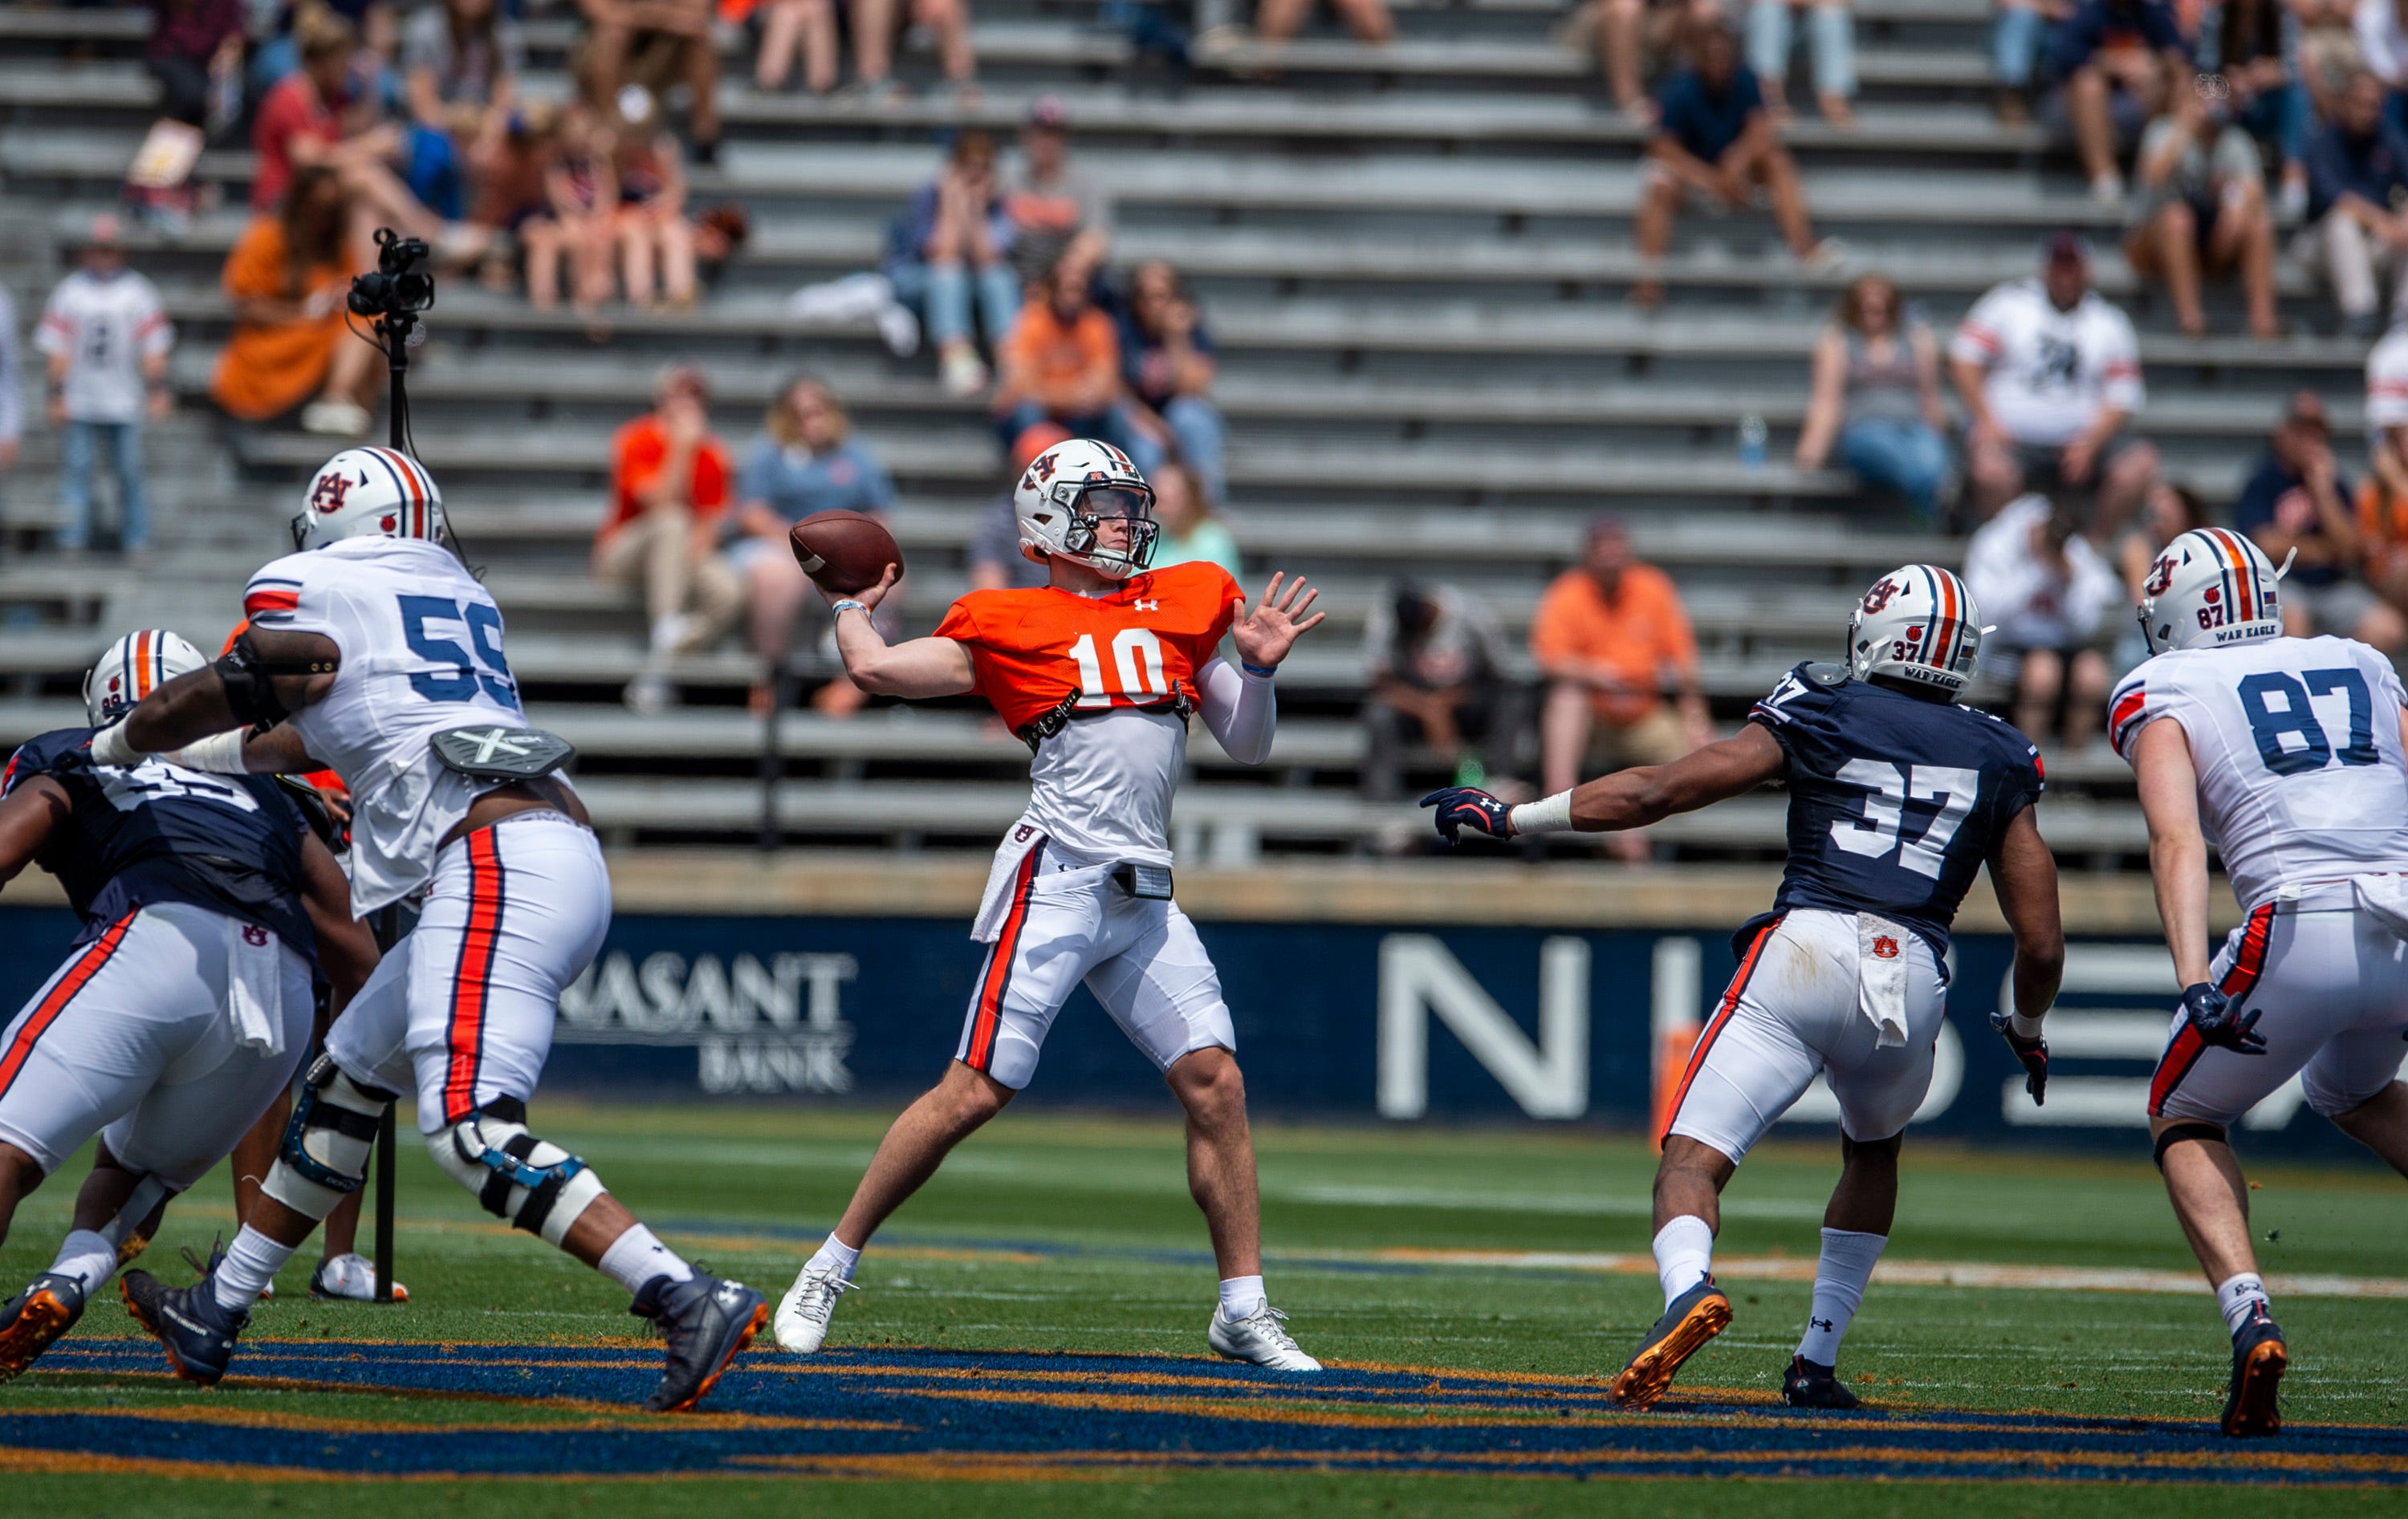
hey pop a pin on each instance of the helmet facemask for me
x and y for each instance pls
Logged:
(1089, 508)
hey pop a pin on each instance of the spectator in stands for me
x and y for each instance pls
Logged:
(2326, 40)
(668, 489)
(2118, 59)
(953, 240)
(1061, 363)
(2046, 593)
(658, 44)
(2296, 504)
(995, 561)
(1832, 31)
(655, 240)
(2199, 208)
(1630, 32)
(2386, 409)
(1056, 211)
(2015, 49)
(1166, 359)
(106, 337)
(1277, 20)
(2169, 512)
(2382, 32)
(792, 26)
(509, 187)
(580, 190)
(805, 462)
(285, 281)
(1713, 139)
(461, 61)
(1606, 636)
(12, 402)
(1877, 394)
(875, 26)
(2246, 44)
(2357, 177)
(2382, 524)
(1191, 531)
(1435, 662)
(195, 53)
(2049, 374)
(300, 122)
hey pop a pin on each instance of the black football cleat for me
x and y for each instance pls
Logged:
(707, 1322)
(1809, 1385)
(1694, 1317)
(197, 1332)
(2259, 1359)
(32, 1321)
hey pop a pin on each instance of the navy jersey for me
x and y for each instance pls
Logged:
(160, 833)
(1894, 800)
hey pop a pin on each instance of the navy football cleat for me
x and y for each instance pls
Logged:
(1810, 1384)
(1694, 1317)
(32, 1321)
(199, 1334)
(2259, 1359)
(707, 1322)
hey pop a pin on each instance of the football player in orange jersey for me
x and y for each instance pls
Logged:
(1098, 672)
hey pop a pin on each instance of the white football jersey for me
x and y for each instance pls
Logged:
(422, 651)
(2297, 745)
(2049, 372)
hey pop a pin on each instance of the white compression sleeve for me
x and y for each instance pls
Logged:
(219, 753)
(1242, 710)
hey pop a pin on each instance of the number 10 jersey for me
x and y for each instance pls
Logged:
(422, 651)
(2297, 745)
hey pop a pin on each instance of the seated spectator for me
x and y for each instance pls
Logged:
(1606, 636)
(1713, 139)
(787, 27)
(2386, 409)
(194, 52)
(2296, 504)
(658, 44)
(285, 282)
(1277, 20)
(2046, 593)
(1190, 530)
(952, 240)
(461, 61)
(668, 489)
(2015, 42)
(580, 192)
(2327, 43)
(653, 236)
(1877, 393)
(2169, 512)
(105, 336)
(2381, 27)
(2049, 374)
(1832, 31)
(2247, 45)
(1435, 662)
(1061, 363)
(2382, 524)
(1166, 358)
(2357, 177)
(996, 560)
(300, 123)
(875, 26)
(1056, 211)
(2118, 59)
(2199, 208)
(510, 188)
(1629, 33)
(805, 462)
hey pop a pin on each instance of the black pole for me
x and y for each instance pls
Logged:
(395, 330)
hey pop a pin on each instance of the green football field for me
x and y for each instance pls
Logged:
(1476, 1286)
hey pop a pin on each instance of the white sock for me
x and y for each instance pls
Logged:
(636, 1256)
(1839, 1279)
(835, 1255)
(1684, 1252)
(86, 1255)
(1241, 1297)
(2238, 1294)
(249, 1267)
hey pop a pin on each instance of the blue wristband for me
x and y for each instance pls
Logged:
(1266, 672)
(839, 608)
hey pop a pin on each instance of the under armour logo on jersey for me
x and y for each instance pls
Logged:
(254, 935)
(1884, 947)
(1147, 605)
(328, 493)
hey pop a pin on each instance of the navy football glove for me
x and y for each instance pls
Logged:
(2032, 1054)
(2216, 1021)
(1463, 807)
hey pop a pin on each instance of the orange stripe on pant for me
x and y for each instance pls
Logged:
(62, 992)
(998, 966)
(2184, 1052)
(1737, 989)
(473, 977)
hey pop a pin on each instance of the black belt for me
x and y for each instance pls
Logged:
(1047, 724)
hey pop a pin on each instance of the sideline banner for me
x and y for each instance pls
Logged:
(1349, 1021)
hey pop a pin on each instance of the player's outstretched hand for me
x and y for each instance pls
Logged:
(868, 596)
(2216, 1021)
(1265, 634)
(1464, 806)
(2032, 1054)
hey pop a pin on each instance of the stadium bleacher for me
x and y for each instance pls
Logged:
(1413, 260)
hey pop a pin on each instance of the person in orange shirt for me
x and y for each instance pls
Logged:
(1061, 363)
(2383, 528)
(668, 489)
(1604, 636)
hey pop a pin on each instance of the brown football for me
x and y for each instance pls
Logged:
(843, 552)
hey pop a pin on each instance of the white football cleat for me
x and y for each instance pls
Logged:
(1261, 1338)
(802, 1321)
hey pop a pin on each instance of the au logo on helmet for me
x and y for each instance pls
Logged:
(1878, 598)
(2161, 574)
(328, 493)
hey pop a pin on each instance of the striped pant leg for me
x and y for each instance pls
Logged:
(1056, 930)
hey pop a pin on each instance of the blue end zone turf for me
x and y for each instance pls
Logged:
(480, 1410)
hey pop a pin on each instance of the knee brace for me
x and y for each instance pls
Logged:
(327, 1145)
(2184, 1133)
(535, 1185)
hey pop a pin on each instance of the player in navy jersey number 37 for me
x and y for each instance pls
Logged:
(1897, 796)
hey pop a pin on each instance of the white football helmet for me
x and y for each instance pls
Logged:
(1068, 491)
(2210, 586)
(368, 492)
(135, 666)
(1916, 624)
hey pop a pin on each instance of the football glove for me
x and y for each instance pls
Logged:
(1461, 808)
(2216, 1021)
(2032, 1054)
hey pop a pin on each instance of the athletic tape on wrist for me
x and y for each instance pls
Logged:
(219, 753)
(1549, 814)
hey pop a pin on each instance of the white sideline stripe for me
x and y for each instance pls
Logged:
(1907, 1273)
